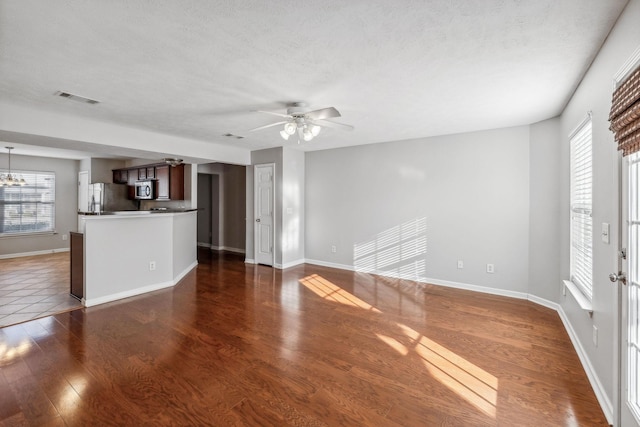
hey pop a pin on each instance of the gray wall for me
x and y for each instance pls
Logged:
(594, 94)
(292, 220)
(66, 204)
(228, 201)
(234, 187)
(412, 209)
(545, 213)
(205, 220)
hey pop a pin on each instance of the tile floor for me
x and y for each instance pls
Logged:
(33, 287)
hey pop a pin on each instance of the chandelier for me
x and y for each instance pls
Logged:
(173, 162)
(11, 179)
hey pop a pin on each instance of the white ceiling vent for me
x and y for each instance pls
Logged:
(76, 97)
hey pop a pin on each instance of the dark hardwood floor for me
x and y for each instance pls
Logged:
(237, 344)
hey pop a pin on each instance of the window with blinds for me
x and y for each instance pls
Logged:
(581, 201)
(29, 208)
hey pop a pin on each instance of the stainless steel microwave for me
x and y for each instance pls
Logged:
(145, 190)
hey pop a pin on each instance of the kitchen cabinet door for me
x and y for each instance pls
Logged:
(162, 177)
(170, 182)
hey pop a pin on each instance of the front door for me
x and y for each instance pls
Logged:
(629, 338)
(264, 213)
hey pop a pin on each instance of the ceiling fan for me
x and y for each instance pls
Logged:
(307, 124)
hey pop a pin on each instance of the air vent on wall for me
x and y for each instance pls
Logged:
(76, 97)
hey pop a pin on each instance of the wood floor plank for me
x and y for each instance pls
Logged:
(239, 345)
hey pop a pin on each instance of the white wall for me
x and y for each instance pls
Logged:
(412, 209)
(66, 205)
(594, 94)
(115, 268)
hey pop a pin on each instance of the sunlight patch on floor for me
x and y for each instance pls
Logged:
(467, 380)
(327, 290)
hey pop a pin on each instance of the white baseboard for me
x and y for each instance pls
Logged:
(126, 294)
(543, 302)
(249, 261)
(230, 249)
(476, 288)
(290, 264)
(598, 388)
(184, 272)
(34, 253)
(221, 248)
(329, 264)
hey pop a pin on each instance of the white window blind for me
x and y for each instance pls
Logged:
(29, 208)
(581, 202)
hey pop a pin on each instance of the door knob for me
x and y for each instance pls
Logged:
(620, 277)
(258, 220)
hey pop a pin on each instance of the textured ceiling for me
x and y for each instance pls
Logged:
(395, 70)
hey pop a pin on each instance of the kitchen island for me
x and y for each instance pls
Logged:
(134, 252)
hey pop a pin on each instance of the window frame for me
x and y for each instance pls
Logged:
(581, 207)
(32, 178)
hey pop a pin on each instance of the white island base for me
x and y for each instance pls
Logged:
(127, 255)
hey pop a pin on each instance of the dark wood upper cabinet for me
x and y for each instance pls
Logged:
(162, 182)
(120, 176)
(169, 180)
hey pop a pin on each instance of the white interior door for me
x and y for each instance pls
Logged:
(264, 213)
(629, 341)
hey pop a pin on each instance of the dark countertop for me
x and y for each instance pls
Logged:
(141, 212)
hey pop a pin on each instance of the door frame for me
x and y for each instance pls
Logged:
(621, 167)
(273, 214)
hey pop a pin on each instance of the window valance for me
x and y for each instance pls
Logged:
(625, 114)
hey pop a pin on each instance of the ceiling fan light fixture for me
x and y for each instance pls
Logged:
(307, 135)
(290, 128)
(315, 130)
(284, 135)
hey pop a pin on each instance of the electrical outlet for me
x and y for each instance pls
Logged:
(152, 265)
(460, 264)
(64, 236)
(595, 335)
(490, 268)
(334, 249)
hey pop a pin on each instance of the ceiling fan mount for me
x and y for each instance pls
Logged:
(306, 123)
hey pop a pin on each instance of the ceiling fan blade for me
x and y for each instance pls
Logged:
(324, 113)
(334, 125)
(287, 116)
(267, 126)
